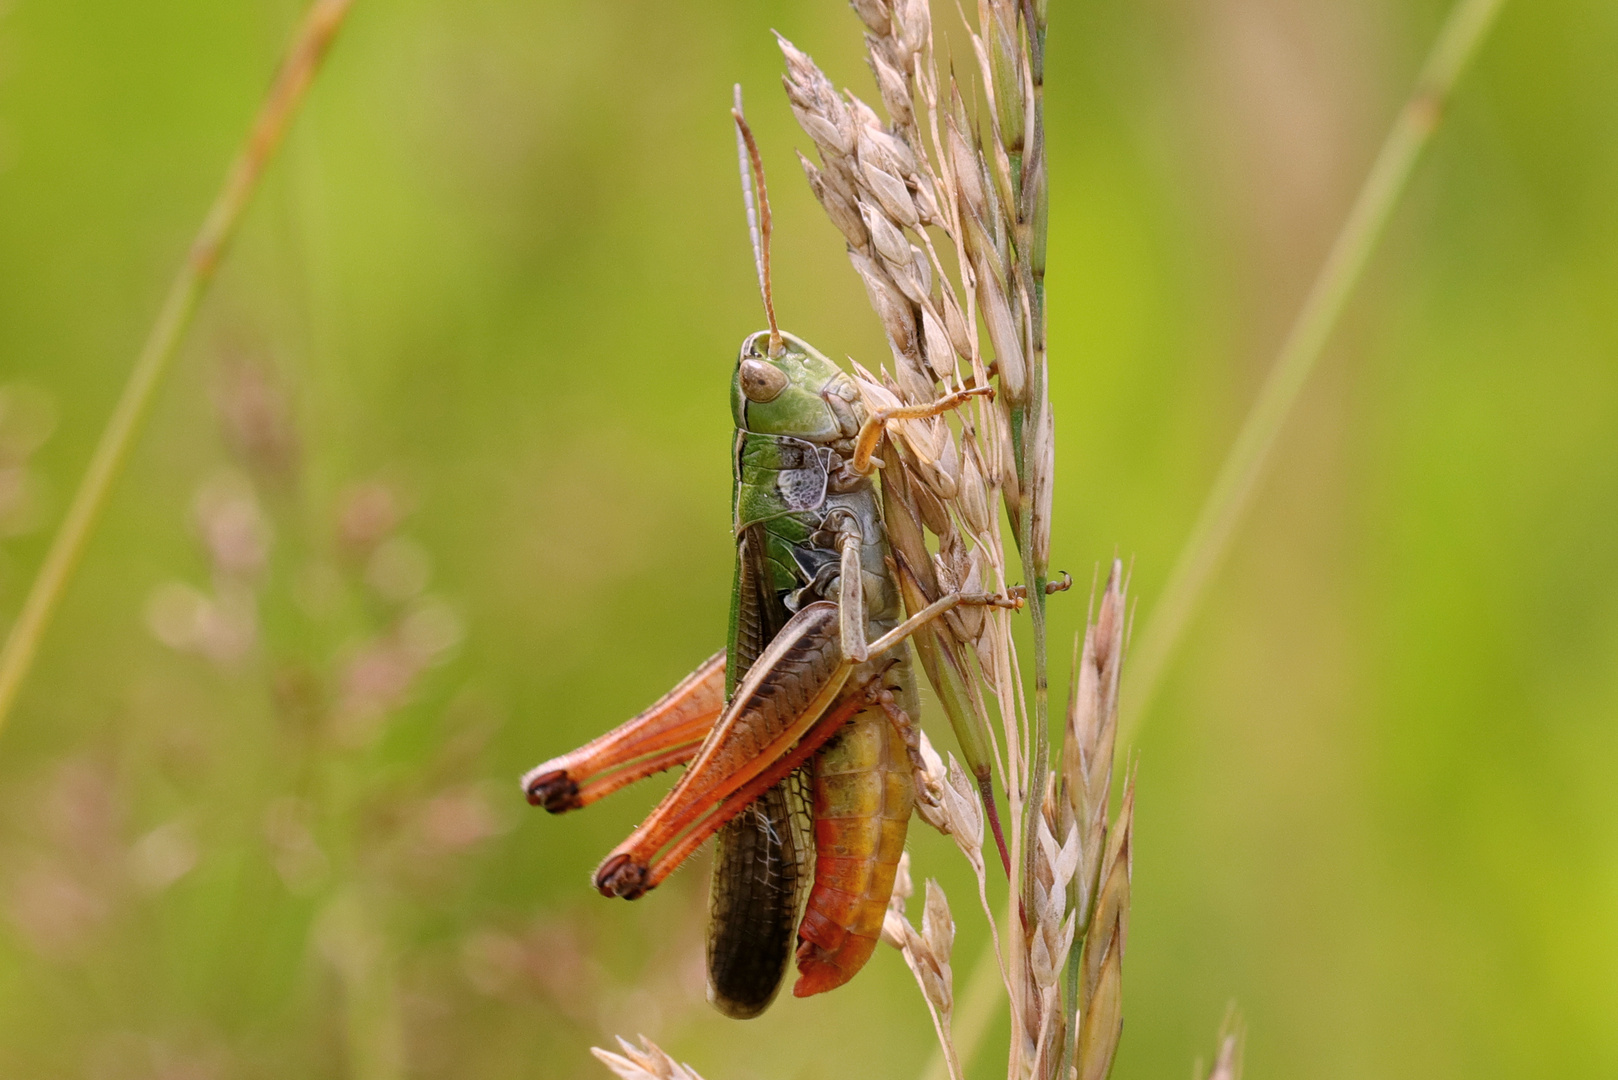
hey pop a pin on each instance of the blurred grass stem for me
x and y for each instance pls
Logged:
(1464, 30)
(297, 72)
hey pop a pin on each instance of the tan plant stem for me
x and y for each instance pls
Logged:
(297, 71)
(1458, 40)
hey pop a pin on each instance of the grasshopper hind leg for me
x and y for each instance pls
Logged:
(761, 875)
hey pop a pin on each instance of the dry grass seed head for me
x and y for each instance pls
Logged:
(1228, 1065)
(1092, 727)
(646, 1062)
(1101, 978)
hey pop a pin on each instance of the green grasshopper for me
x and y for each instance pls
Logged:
(798, 738)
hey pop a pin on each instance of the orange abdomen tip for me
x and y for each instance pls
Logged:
(863, 795)
(820, 970)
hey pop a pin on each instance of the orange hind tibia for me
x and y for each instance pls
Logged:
(665, 735)
(863, 795)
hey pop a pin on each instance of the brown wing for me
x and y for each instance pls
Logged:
(762, 870)
(764, 858)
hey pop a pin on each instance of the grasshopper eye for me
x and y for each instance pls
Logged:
(762, 382)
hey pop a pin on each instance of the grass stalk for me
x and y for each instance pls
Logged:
(297, 71)
(1463, 32)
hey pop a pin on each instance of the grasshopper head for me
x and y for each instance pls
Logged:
(790, 394)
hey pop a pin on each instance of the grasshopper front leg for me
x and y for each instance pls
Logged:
(872, 429)
(669, 733)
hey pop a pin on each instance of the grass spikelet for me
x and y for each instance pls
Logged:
(927, 954)
(1228, 1064)
(1092, 730)
(645, 1062)
(1101, 1017)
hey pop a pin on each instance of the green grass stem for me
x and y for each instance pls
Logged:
(297, 72)
(1463, 32)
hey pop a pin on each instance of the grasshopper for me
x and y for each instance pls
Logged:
(798, 738)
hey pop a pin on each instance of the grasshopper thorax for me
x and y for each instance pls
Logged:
(798, 393)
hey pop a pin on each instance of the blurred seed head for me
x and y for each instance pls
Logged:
(255, 414)
(163, 856)
(297, 857)
(1228, 1064)
(299, 695)
(53, 911)
(318, 587)
(432, 630)
(174, 613)
(458, 819)
(80, 810)
(232, 525)
(366, 515)
(399, 569)
(222, 628)
(61, 893)
(550, 960)
(381, 673)
(645, 1062)
(128, 1055)
(347, 937)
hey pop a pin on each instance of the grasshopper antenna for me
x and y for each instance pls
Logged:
(758, 220)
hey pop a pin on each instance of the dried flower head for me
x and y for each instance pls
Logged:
(645, 1062)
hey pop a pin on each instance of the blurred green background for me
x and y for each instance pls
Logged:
(439, 488)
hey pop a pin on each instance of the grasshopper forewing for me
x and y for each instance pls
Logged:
(798, 738)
